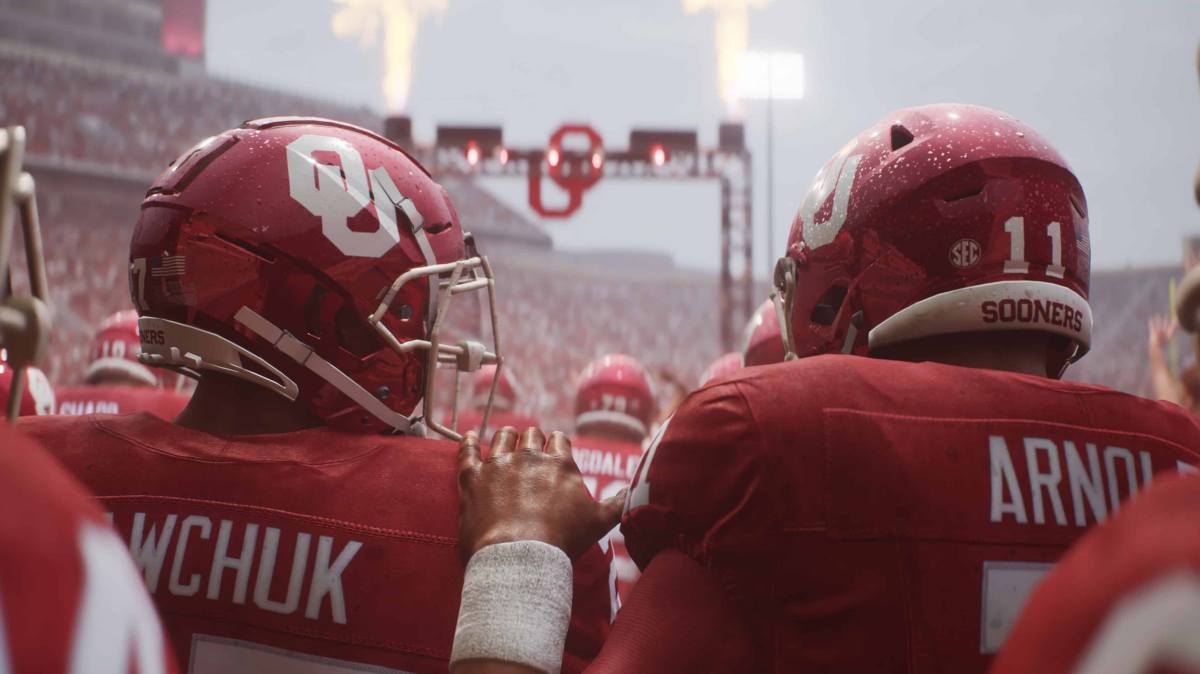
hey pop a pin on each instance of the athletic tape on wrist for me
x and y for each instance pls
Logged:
(516, 604)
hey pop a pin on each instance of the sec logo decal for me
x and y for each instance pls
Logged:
(965, 253)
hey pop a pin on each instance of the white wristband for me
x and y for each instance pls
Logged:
(516, 605)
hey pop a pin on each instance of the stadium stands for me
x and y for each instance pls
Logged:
(101, 129)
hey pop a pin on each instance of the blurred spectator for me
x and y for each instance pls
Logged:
(1161, 330)
(1184, 391)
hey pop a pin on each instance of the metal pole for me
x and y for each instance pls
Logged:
(770, 249)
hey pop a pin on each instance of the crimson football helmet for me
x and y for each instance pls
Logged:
(24, 319)
(762, 341)
(723, 366)
(615, 390)
(937, 220)
(115, 349)
(313, 258)
(505, 396)
(36, 395)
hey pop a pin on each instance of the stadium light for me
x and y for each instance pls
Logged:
(658, 154)
(674, 141)
(770, 75)
(473, 141)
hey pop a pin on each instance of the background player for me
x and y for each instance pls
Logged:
(761, 341)
(874, 513)
(115, 382)
(614, 406)
(1126, 598)
(70, 599)
(300, 268)
(725, 365)
(504, 403)
(37, 395)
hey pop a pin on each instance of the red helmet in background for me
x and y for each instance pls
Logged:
(723, 366)
(310, 257)
(37, 395)
(506, 392)
(115, 350)
(762, 342)
(615, 390)
(937, 220)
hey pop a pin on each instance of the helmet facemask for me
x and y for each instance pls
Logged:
(24, 320)
(447, 280)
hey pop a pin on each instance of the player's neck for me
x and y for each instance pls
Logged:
(228, 406)
(1019, 352)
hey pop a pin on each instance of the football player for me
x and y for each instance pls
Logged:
(882, 513)
(37, 396)
(762, 343)
(115, 382)
(1126, 598)
(504, 402)
(721, 367)
(70, 597)
(614, 405)
(300, 268)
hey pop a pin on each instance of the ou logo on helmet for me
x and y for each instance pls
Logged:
(836, 177)
(340, 193)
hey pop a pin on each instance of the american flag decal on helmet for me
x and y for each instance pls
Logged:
(167, 265)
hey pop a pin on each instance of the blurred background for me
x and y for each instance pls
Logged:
(631, 167)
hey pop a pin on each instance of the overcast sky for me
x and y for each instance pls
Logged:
(1112, 84)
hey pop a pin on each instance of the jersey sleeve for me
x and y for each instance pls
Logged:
(705, 632)
(703, 486)
(591, 609)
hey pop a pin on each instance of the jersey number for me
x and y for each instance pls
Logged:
(1016, 264)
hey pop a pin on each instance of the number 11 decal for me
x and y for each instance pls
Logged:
(1016, 263)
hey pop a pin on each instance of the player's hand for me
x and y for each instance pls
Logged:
(528, 489)
(1161, 329)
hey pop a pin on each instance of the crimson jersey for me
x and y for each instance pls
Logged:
(1126, 598)
(607, 466)
(868, 515)
(117, 399)
(271, 551)
(70, 600)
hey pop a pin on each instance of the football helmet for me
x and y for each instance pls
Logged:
(505, 396)
(115, 349)
(313, 258)
(723, 366)
(36, 396)
(24, 319)
(937, 220)
(762, 343)
(615, 390)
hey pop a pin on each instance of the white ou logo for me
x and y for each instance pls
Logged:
(839, 172)
(338, 195)
(965, 253)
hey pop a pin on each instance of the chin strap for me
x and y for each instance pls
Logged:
(184, 347)
(303, 354)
